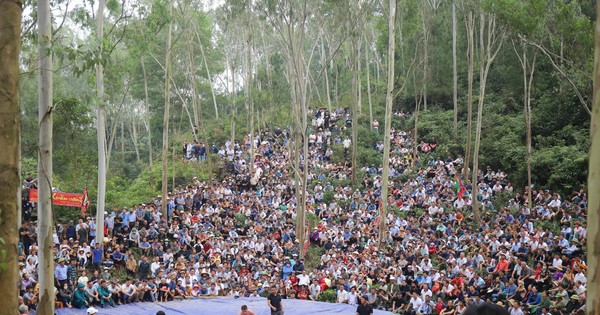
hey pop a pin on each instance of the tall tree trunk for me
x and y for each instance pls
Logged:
(45, 255)
(101, 129)
(122, 141)
(454, 70)
(526, 66)
(134, 139)
(248, 92)
(358, 75)
(210, 82)
(367, 65)
(425, 57)
(593, 213)
(486, 59)
(528, 117)
(326, 74)
(389, 99)
(355, 110)
(148, 113)
(233, 104)
(165, 145)
(470, 25)
(418, 100)
(10, 168)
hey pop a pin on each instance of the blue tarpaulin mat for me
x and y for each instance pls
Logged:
(222, 306)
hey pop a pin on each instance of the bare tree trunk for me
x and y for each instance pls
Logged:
(248, 91)
(389, 99)
(527, 83)
(148, 113)
(323, 61)
(210, 82)
(45, 255)
(233, 104)
(337, 87)
(355, 109)
(367, 48)
(593, 213)
(165, 145)
(454, 70)
(10, 168)
(470, 25)
(425, 58)
(122, 141)
(358, 75)
(487, 56)
(101, 130)
(134, 139)
(418, 100)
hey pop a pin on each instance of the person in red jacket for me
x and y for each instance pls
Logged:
(502, 265)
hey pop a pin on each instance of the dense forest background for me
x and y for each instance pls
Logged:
(543, 64)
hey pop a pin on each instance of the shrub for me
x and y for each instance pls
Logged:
(328, 296)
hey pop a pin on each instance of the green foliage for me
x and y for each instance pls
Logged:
(312, 257)
(312, 219)
(240, 219)
(328, 296)
(122, 192)
(500, 200)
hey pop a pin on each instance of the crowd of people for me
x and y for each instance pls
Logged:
(236, 237)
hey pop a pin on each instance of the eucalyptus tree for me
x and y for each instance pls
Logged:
(490, 41)
(45, 111)
(10, 42)
(166, 111)
(593, 214)
(389, 100)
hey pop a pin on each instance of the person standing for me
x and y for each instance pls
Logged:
(364, 308)
(274, 301)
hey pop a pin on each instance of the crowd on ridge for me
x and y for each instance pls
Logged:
(236, 237)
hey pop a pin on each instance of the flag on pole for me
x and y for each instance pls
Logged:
(85, 202)
(458, 186)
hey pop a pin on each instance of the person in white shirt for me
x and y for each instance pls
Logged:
(416, 301)
(580, 276)
(314, 290)
(352, 296)
(342, 295)
(303, 279)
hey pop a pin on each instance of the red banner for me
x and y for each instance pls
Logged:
(60, 198)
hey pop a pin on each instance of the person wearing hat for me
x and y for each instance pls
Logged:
(81, 298)
(61, 272)
(574, 304)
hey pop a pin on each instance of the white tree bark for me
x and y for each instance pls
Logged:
(101, 130)
(454, 70)
(593, 233)
(148, 113)
(45, 217)
(389, 99)
(165, 145)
